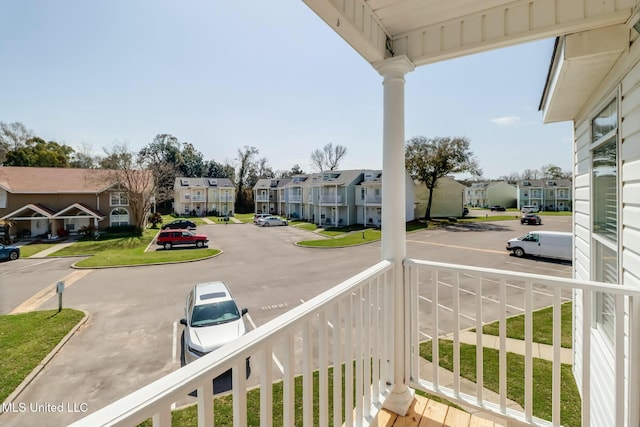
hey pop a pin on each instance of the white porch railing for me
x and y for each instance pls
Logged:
(349, 326)
(468, 297)
(330, 198)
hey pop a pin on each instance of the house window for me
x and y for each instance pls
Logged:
(604, 198)
(119, 199)
(119, 216)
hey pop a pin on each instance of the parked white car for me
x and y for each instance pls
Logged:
(271, 220)
(212, 319)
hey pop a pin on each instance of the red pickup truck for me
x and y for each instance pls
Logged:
(170, 238)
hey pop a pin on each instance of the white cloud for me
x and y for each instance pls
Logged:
(507, 120)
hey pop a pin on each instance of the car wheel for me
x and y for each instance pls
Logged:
(285, 223)
(167, 245)
(199, 244)
(267, 224)
(519, 252)
(13, 256)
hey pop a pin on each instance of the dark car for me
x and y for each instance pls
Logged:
(531, 219)
(498, 208)
(9, 252)
(180, 224)
(170, 238)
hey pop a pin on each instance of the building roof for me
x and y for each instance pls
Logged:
(547, 183)
(338, 177)
(186, 182)
(20, 180)
(271, 183)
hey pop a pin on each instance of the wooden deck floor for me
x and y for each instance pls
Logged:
(429, 413)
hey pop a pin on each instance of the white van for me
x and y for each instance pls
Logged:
(551, 244)
(529, 209)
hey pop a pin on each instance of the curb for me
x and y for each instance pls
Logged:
(34, 373)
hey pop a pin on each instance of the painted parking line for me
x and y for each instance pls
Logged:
(492, 251)
(41, 297)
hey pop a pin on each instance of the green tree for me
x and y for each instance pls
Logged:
(162, 157)
(244, 177)
(429, 159)
(117, 156)
(39, 153)
(213, 169)
(192, 163)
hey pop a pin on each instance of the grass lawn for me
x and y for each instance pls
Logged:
(304, 225)
(25, 339)
(245, 217)
(28, 250)
(346, 239)
(353, 235)
(542, 326)
(111, 251)
(570, 412)
(168, 218)
(489, 218)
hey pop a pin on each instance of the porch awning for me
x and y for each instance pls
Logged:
(76, 210)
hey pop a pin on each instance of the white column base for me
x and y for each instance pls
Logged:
(399, 403)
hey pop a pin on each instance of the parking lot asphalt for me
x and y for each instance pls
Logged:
(132, 335)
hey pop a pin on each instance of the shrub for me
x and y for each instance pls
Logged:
(125, 229)
(155, 219)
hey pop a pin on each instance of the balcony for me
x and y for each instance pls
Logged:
(262, 198)
(295, 198)
(351, 326)
(330, 199)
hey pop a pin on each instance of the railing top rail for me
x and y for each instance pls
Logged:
(539, 278)
(140, 404)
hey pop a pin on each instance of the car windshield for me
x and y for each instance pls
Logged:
(214, 313)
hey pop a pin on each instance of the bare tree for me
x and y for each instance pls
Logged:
(127, 173)
(327, 158)
(12, 136)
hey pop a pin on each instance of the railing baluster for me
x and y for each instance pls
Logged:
(587, 296)
(239, 385)
(388, 319)
(323, 370)
(307, 375)
(456, 335)
(412, 357)
(557, 373)
(348, 368)
(205, 404)
(479, 350)
(375, 350)
(528, 352)
(503, 346)
(358, 355)
(266, 386)
(619, 359)
(288, 406)
(337, 366)
(435, 351)
(162, 418)
(367, 349)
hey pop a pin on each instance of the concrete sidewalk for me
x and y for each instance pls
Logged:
(54, 248)
(540, 351)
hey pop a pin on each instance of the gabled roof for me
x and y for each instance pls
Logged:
(34, 207)
(337, 177)
(29, 180)
(81, 207)
(186, 182)
(271, 183)
(544, 183)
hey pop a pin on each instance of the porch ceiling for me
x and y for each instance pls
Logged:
(428, 31)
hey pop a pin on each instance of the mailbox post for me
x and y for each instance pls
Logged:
(59, 291)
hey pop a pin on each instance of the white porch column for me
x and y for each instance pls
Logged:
(393, 214)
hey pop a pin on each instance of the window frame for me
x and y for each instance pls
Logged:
(116, 197)
(600, 242)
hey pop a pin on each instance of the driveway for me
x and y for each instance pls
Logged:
(132, 335)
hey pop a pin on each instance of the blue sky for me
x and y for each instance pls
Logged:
(222, 75)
